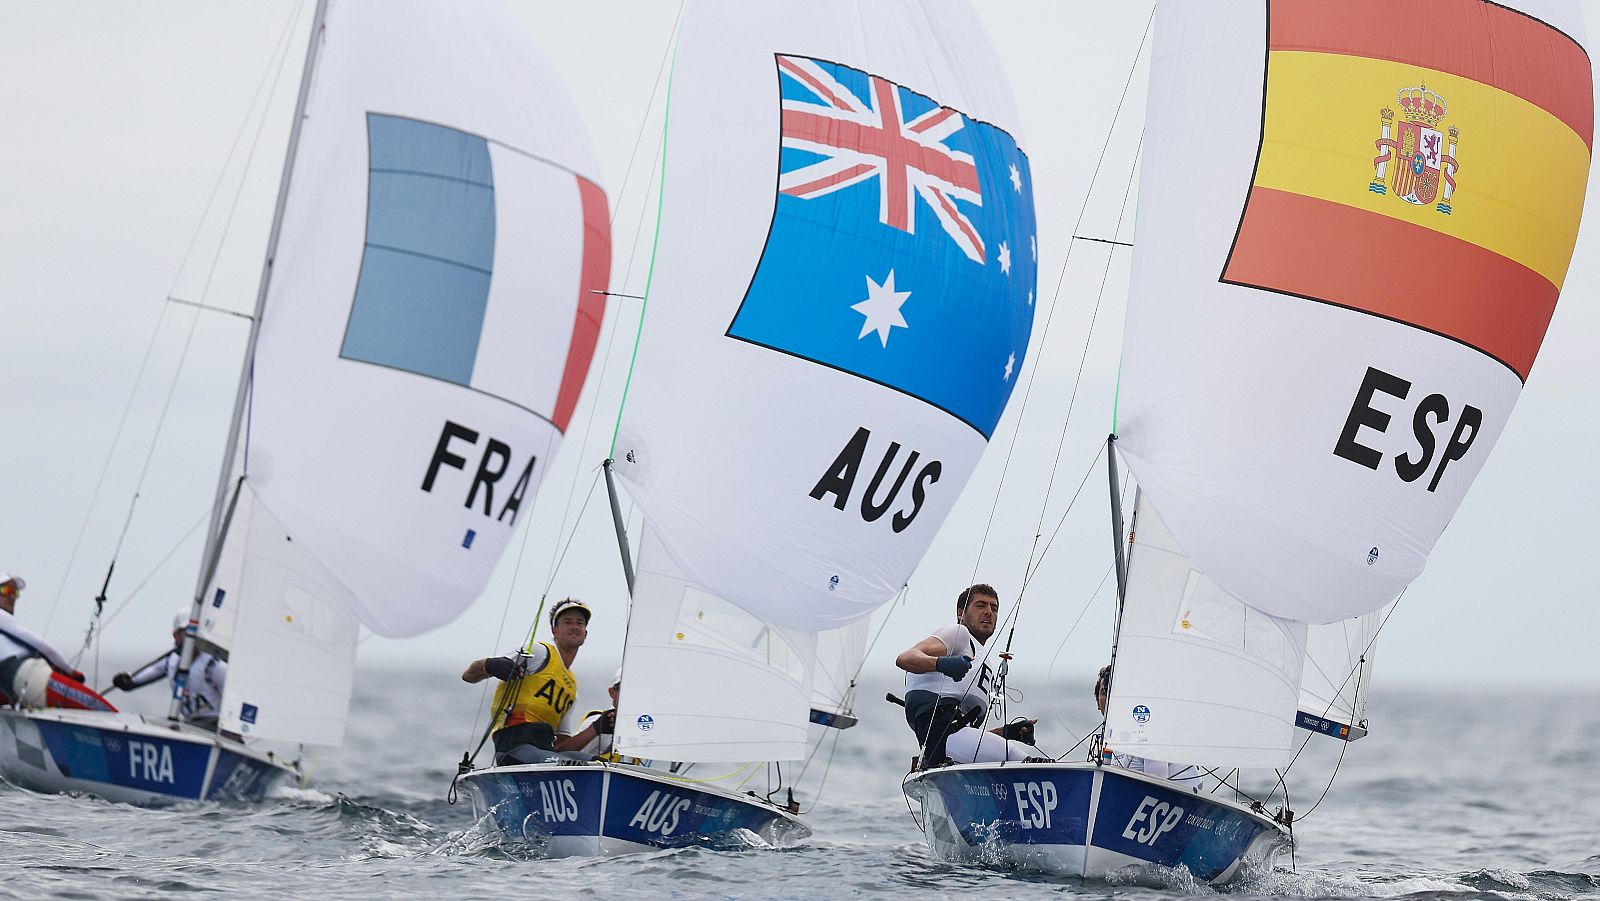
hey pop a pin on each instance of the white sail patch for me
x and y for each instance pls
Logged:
(1200, 678)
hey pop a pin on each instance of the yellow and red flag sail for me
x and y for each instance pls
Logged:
(1430, 170)
(1355, 219)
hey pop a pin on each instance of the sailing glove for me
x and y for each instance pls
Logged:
(1019, 731)
(500, 667)
(122, 681)
(954, 666)
(606, 723)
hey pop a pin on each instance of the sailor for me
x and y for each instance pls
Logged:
(948, 684)
(202, 700)
(533, 707)
(26, 659)
(604, 723)
(1188, 776)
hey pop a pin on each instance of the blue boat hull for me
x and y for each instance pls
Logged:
(601, 809)
(123, 757)
(1082, 820)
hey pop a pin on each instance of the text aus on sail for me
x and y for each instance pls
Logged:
(840, 480)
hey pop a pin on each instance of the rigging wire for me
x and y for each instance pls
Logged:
(1354, 673)
(661, 173)
(160, 564)
(1009, 621)
(1055, 709)
(558, 550)
(505, 611)
(279, 50)
(1033, 372)
(1035, 556)
(899, 602)
(1094, 317)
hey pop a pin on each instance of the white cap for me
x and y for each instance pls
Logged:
(7, 577)
(180, 620)
(617, 679)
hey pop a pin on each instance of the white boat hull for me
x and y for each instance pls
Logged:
(594, 809)
(124, 757)
(1078, 819)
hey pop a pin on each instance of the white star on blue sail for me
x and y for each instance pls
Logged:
(882, 309)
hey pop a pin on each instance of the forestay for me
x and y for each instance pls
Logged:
(432, 310)
(840, 303)
(1340, 286)
(704, 680)
(1200, 677)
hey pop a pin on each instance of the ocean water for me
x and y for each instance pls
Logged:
(1455, 795)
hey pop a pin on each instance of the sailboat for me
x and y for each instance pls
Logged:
(424, 323)
(1340, 284)
(839, 301)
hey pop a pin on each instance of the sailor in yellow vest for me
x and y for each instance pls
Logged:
(533, 707)
(605, 722)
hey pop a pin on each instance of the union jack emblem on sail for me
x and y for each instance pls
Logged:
(859, 137)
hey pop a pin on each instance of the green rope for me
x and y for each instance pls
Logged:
(655, 243)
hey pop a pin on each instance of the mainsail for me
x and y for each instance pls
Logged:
(429, 317)
(1200, 677)
(840, 303)
(1346, 264)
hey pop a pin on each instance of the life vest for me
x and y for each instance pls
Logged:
(543, 695)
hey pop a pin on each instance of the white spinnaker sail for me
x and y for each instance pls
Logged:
(839, 656)
(1200, 677)
(840, 303)
(1340, 287)
(1337, 677)
(704, 680)
(432, 313)
(293, 656)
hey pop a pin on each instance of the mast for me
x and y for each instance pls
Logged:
(622, 533)
(1116, 520)
(1117, 537)
(219, 516)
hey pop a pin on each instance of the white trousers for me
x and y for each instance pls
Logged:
(971, 745)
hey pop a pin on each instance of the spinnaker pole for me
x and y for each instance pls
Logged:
(219, 516)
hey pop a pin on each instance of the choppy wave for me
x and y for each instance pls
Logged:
(1411, 816)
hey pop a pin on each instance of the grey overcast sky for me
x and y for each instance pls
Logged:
(119, 120)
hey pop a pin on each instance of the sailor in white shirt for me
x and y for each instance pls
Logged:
(207, 674)
(947, 689)
(26, 659)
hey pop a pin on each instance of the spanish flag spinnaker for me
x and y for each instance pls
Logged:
(1355, 220)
